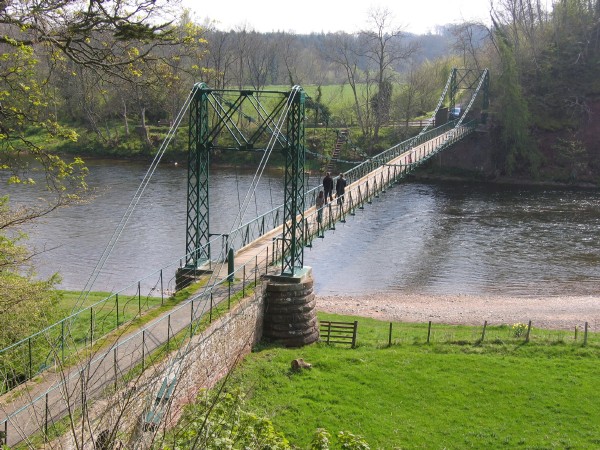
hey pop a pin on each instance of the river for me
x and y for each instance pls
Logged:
(429, 238)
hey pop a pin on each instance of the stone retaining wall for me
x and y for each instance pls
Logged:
(209, 357)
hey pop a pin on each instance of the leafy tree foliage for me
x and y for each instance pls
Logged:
(38, 40)
(518, 148)
(219, 420)
(24, 302)
(547, 60)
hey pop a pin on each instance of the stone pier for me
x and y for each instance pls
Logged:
(290, 316)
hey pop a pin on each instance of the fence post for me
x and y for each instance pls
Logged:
(91, 326)
(162, 296)
(244, 281)
(143, 348)
(117, 303)
(585, 334)
(528, 331)
(354, 334)
(483, 332)
(576, 328)
(331, 217)
(191, 317)
(211, 308)
(116, 367)
(139, 298)
(168, 331)
(390, 336)
(83, 409)
(46, 420)
(62, 340)
(428, 331)
(361, 203)
(328, 332)
(229, 296)
(272, 252)
(30, 362)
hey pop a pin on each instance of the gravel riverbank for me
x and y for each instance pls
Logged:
(564, 312)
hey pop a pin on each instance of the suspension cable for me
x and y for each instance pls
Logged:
(132, 205)
(270, 146)
(176, 363)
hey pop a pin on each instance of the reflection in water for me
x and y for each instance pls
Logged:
(441, 238)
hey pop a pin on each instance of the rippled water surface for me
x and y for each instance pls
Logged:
(441, 238)
(467, 238)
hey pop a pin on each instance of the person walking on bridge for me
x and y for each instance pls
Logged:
(340, 189)
(328, 187)
(320, 202)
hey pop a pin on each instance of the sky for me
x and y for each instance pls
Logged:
(307, 16)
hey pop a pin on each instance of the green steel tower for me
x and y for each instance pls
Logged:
(245, 120)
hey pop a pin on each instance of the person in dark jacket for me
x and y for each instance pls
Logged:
(340, 188)
(328, 187)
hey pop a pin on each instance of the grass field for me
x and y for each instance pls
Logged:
(455, 392)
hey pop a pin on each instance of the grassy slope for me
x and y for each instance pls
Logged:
(452, 393)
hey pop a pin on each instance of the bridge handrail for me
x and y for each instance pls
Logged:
(356, 172)
(86, 309)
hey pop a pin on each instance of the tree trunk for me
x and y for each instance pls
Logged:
(126, 123)
(142, 130)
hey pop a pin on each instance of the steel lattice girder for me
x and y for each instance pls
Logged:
(197, 227)
(293, 220)
(210, 106)
(467, 79)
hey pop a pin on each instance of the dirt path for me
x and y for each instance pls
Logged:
(563, 312)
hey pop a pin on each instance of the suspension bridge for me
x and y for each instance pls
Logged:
(51, 375)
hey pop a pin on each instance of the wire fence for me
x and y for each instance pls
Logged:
(383, 334)
(131, 355)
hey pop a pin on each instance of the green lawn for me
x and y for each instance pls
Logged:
(455, 392)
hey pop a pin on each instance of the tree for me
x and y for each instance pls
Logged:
(468, 42)
(105, 37)
(385, 51)
(519, 150)
(37, 38)
(259, 59)
(22, 301)
(343, 50)
(221, 59)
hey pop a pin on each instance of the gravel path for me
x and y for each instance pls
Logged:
(563, 312)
